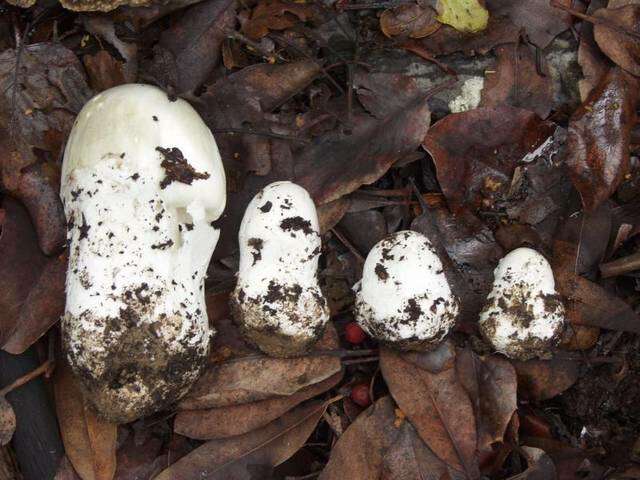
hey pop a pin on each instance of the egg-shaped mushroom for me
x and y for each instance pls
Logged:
(277, 302)
(404, 299)
(142, 182)
(523, 316)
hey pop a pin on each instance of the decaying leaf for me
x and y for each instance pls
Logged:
(238, 419)
(540, 466)
(103, 70)
(543, 379)
(35, 118)
(7, 421)
(370, 149)
(191, 47)
(89, 442)
(517, 82)
(599, 136)
(381, 443)
(246, 376)
(611, 36)
(464, 15)
(252, 455)
(412, 20)
(491, 383)
(476, 152)
(32, 298)
(275, 15)
(427, 389)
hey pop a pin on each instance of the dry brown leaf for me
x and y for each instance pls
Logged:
(611, 35)
(103, 70)
(89, 442)
(411, 19)
(252, 455)
(7, 421)
(543, 379)
(381, 445)
(599, 137)
(239, 419)
(540, 466)
(191, 47)
(492, 385)
(370, 149)
(34, 123)
(436, 403)
(476, 152)
(517, 82)
(275, 15)
(251, 376)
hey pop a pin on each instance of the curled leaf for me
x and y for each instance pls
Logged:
(412, 19)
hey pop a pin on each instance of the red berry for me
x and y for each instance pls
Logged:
(354, 333)
(360, 395)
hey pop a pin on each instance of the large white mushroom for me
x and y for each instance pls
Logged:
(404, 299)
(142, 182)
(277, 301)
(523, 317)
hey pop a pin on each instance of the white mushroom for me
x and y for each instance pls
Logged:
(142, 183)
(523, 317)
(277, 301)
(404, 299)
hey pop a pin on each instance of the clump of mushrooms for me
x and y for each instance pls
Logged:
(142, 183)
(277, 301)
(404, 299)
(523, 317)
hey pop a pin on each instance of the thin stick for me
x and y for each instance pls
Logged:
(240, 131)
(374, 5)
(621, 266)
(26, 378)
(596, 20)
(348, 244)
(355, 361)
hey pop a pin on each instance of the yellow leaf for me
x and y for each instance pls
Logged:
(463, 15)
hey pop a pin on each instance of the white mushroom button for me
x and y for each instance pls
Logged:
(277, 301)
(404, 299)
(142, 183)
(523, 317)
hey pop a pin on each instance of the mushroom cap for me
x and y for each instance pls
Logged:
(142, 181)
(523, 317)
(277, 300)
(404, 298)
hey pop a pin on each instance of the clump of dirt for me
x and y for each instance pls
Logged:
(177, 168)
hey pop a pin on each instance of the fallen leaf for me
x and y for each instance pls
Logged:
(7, 421)
(275, 15)
(103, 70)
(436, 403)
(379, 444)
(239, 419)
(611, 35)
(541, 22)
(331, 213)
(411, 19)
(468, 16)
(599, 136)
(544, 379)
(492, 385)
(593, 62)
(252, 455)
(370, 149)
(191, 47)
(383, 93)
(364, 229)
(251, 376)
(140, 458)
(516, 81)
(66, 471)
(476, 152)
(540, 466)
(34, 123)
(89, 442)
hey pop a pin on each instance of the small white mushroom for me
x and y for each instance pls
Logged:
(142, 182)
(277, 301)
(404, 299)
(523, 317)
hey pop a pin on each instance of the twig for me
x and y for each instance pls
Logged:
(623, 265)
(355, 361)
(375, 5)
(596, 20)
(348, 244)
(241, 131)
(27, 378)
